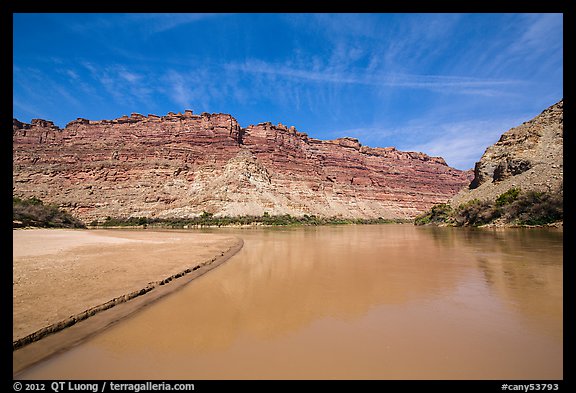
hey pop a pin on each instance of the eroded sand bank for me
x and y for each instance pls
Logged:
(59, 274)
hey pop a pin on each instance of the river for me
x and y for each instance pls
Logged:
(348, 302)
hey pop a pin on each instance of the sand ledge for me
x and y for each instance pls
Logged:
(62, 335)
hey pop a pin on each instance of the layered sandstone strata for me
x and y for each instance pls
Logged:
(181, 165)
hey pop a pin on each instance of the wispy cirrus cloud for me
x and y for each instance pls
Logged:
(41, 94)
(449, 83)
(540, 35)
(137, 23)
(201, 88)
(124, 85)
(159, 23)
(460, 143)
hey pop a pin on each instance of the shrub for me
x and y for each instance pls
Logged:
(266, 219)
(439, 214)
(513, 206)
(536, 208)
(508, 197)
(33, 212)
(475, 213)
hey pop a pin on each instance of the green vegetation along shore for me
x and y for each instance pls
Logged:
(514, 207)
(209, 220)
(32, 212)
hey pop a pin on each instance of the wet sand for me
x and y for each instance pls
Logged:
(62, 277)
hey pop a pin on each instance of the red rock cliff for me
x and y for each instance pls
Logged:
(181, 165)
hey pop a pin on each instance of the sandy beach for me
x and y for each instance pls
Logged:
(59, 274)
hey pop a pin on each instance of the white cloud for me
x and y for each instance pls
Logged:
(159, 23)
(542, 33)
(33, 111)
(460, 152)
(54, 92)
(124, 85)
(72, 74)
(129, 76)
(461, 143)
(180, 89)
(443, 83)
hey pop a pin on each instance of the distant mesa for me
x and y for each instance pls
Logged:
(182, 164)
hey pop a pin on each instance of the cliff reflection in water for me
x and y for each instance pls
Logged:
(282, 280)
(383, 301)
(523, 267)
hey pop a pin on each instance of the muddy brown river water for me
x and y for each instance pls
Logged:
(348, 302)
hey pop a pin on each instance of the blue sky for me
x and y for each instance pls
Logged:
(445, 84)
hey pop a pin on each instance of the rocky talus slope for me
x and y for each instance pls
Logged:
(181, 165)
(529, 157)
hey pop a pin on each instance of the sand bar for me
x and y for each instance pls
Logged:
(59, 274)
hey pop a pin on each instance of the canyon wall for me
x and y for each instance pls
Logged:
(184, 164)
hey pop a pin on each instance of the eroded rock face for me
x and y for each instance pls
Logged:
(181, 165)
(529, 156)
